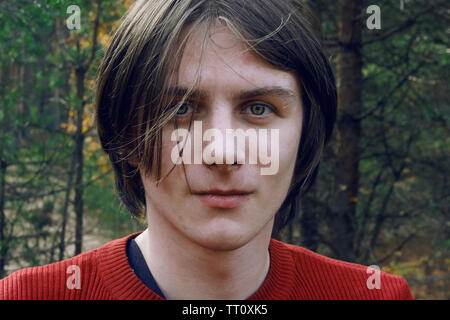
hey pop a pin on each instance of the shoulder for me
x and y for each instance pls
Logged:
(74, 278)
(60, 280)
(327, 278)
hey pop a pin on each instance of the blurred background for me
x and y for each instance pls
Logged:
(382, 194)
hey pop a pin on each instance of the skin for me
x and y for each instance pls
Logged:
(193, 249)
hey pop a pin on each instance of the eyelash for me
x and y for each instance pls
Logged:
(264, 105)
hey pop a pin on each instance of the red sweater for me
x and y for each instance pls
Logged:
(295, 273)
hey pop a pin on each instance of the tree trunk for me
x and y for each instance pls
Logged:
(65, 211)
(346, 175)
(61, 34)
(4, 73)
(80, 74)
(78, 157)
(3, 245)
(61, 113)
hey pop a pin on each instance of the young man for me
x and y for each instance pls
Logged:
(179, 79)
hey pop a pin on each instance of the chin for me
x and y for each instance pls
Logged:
(223, 238)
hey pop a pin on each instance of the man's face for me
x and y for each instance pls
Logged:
(224, 206)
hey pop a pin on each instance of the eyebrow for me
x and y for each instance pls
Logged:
(276, 91)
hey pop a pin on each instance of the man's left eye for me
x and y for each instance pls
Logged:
(258, 109)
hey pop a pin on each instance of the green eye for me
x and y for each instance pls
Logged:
(258, 109)
(183, 109)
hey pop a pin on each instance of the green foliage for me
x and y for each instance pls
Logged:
(37, 103)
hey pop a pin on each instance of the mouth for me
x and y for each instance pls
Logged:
(225, 199)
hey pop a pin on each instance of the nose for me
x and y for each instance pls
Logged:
(220, 151)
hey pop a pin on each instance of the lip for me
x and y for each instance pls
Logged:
(225, 199)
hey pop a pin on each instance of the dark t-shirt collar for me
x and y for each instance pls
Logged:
(140, 268)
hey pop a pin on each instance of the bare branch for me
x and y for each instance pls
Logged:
(404, 26)
(94, 35)
(399, 247)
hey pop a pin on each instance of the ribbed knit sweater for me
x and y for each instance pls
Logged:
(294, 273)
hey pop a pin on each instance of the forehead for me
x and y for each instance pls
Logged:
(218, 61)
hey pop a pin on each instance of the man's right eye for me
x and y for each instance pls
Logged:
(183, 109)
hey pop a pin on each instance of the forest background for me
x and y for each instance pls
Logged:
(381, 197)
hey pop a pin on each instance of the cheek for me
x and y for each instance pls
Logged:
(169, 183)
(167, 148)
(277, 186)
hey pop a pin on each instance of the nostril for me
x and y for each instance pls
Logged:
(224, 166)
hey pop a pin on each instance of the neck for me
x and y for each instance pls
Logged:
(185, 270)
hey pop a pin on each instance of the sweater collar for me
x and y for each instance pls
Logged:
(117, 275)
(123, 284)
